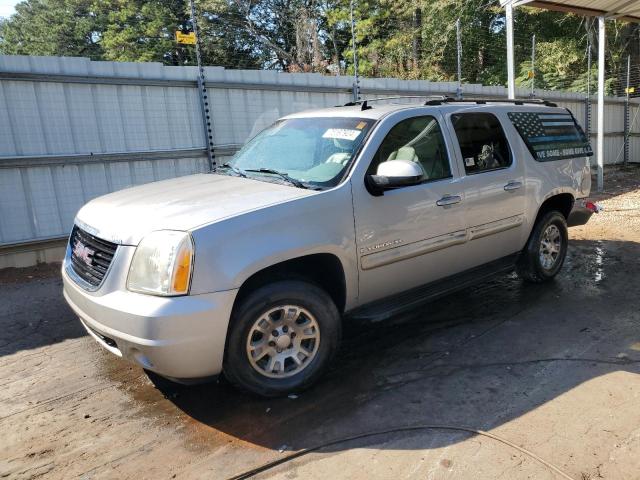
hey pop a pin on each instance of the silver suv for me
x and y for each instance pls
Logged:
(355, 211)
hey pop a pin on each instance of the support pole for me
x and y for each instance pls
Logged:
(587, 99)
(626, 113)
(459, 53)
(533, 66)
(601, 65)
(204, 96)
(356, 80)
(511, 79)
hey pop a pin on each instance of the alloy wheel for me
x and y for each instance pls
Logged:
(283, 341)
(550, 246)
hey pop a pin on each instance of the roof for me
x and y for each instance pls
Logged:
(377, 111)
(628, 10)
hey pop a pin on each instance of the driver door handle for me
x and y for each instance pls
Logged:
(509, 187)
(449, 200)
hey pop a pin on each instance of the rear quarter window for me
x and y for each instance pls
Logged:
(551, 135)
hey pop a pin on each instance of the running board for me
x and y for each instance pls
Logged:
(405, 301)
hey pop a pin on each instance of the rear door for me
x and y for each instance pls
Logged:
(493, 180)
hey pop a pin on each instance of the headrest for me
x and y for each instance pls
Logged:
(404, 153)
(340, 157)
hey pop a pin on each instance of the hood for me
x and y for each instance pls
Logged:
(183, 203)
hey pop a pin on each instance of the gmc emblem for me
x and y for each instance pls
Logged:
(82, 252)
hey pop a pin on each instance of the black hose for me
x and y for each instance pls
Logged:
(304, 451)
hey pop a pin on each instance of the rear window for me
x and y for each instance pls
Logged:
(482, 141)
(551, 136)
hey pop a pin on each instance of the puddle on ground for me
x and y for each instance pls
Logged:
(598, 260)
(588, 265)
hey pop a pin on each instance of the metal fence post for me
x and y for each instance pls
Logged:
(356, 79)
(533, 66)
(459, 54)
(204, 96)
(587, 99)
(626, 114)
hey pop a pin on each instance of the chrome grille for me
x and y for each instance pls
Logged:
(90, 256)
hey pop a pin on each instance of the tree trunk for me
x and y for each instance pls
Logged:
(417, 37)
(336, 52)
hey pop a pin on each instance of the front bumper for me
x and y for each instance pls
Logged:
(176, 337)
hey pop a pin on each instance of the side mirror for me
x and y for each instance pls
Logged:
(394, 174)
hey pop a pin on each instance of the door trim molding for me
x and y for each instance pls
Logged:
(486, 229)
(410, 250)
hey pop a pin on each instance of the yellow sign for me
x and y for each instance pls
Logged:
(630, 90)
(186, 38)
(531, 74)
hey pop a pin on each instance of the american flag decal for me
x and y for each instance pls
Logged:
(551, 136)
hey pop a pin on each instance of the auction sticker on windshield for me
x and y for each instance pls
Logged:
(342, 134)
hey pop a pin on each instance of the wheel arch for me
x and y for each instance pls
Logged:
(324, 269)
(562, 202)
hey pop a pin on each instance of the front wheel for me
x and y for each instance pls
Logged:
(281, 338)
(546, 249)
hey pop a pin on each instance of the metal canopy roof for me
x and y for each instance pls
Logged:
(628, 10)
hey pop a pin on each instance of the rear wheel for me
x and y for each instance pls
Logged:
(282, 337)
(542, 258)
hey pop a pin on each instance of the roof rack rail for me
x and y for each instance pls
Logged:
(365, 103)
(481, 101)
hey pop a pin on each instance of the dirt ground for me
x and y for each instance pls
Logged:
(552, 369)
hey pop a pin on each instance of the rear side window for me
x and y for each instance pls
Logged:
(551, 136)
(483, 143)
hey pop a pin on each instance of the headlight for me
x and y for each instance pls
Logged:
(162, 264)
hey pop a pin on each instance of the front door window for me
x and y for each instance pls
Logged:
(419, 140)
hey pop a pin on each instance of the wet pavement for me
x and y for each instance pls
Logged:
(553, 369)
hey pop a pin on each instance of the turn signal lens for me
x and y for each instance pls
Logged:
(182, 271)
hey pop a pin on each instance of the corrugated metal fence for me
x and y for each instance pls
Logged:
(72, 129)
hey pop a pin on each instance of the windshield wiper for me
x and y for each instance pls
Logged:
(293, 181)
(235, 170)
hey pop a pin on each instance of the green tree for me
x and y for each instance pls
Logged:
(127, 30)
(53, 27)
(224, 40)
(142, 30)
(408, 39)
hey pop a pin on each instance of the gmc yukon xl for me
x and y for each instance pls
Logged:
(354, 211)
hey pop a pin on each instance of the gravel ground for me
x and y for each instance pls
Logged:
(553, 369)
(621, 207)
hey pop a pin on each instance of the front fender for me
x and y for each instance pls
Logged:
(228, 252)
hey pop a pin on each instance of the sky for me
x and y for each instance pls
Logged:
(6, 7)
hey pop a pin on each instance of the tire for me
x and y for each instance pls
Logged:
(264, 364)
(536, 266)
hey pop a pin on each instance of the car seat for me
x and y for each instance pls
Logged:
(404, 153)
(340, 157)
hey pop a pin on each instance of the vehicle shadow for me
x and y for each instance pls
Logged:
(32, 312)
(477, 358)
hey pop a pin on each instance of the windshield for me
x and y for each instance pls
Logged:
(310, 152)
